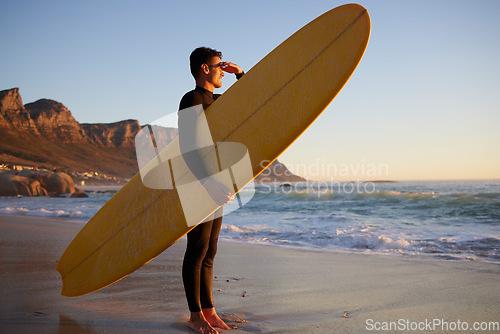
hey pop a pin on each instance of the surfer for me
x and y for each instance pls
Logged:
(207, 69)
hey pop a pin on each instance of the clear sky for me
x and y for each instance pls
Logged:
(424, 102)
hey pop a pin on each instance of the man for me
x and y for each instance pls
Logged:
(197, 269)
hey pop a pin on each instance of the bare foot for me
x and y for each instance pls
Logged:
(214, 320)
(199, 324)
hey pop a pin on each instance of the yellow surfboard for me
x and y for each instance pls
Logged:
(266, 111)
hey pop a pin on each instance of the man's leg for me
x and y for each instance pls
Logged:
(207, 275)
(196, 250)
(207, 268)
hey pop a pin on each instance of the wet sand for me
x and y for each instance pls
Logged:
(266, 289)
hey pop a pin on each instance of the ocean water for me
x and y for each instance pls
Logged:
(450, 220)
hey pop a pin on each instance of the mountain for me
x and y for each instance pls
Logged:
(45, 134)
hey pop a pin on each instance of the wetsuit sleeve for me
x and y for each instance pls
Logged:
(187, 131)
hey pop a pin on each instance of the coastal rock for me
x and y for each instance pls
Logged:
(39, 175)
(59, 183)
(12, 184)
(55, 183)
(13, 114)
(53, 120)
(35, 188)
(35, 183)
(79, 193)
(277, 172)
(119, 134)
(10, 100)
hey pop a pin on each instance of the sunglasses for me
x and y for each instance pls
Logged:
(221, 64)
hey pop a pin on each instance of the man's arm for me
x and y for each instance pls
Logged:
(232, 68)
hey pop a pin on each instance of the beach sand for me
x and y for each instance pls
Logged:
(274, 289)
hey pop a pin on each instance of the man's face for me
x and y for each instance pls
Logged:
(215, 73)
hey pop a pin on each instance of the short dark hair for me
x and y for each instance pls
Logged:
(200, 56)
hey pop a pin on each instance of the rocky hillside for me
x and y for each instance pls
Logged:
(44, 134)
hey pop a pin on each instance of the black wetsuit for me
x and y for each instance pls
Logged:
(187, 128)
(197, 267)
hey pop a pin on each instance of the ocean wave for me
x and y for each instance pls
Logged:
(41, 212)
(372, 242)
(492, 196)
(81, 208)
(332, 194)
(449, 220)
(352, 238)
(370, 238)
